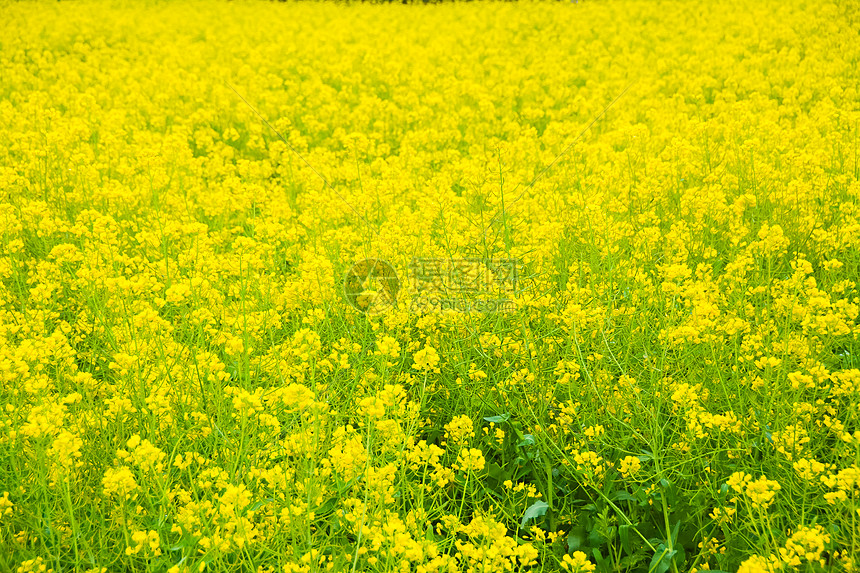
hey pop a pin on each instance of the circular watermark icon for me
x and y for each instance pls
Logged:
(371, 286)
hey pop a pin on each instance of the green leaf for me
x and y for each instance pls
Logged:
(598, 558)
(496, 472)
(535, 510)
(328, 506)
(680, 556)
(624, 534)
(500, 419)
(260, 504)
(595, 537)
(669, 490)
(621, 496)
(528, 440)
(662, 560)
(575, 538)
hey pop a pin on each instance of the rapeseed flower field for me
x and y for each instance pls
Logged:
(222, 349)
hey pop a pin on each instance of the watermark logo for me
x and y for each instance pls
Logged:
(464, 275)
(436, 285)
(371, 286)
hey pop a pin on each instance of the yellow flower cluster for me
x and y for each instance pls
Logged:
(143, 454)
(761, 492)
(427, 359)
(470, 460)
(578, 563)
(488, 548)
(6, 505)
(460, 429)
(629, 466)
(144, 541)
(806, 545)
(120, 482)
(672, 231)
(845, 485)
